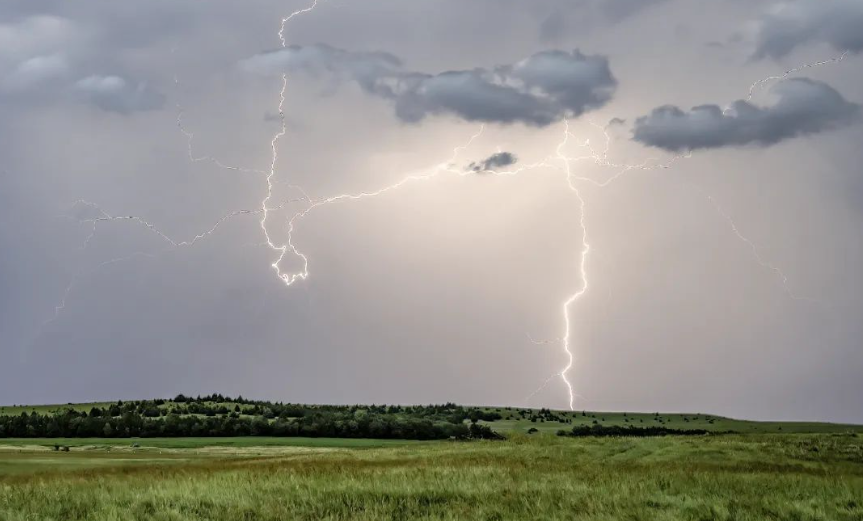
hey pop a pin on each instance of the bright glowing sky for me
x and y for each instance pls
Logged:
(428, 293)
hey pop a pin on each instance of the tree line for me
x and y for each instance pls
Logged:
(185, 417)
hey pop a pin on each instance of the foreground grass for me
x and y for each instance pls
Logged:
(751, 477)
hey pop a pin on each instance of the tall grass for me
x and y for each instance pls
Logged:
(719, 477)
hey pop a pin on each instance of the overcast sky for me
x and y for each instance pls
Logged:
(723, 273)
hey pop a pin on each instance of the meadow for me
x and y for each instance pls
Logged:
(219, 416)
(722, 477)
(511, 464)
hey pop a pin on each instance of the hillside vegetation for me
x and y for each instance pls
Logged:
(217, 415)
(221, 416)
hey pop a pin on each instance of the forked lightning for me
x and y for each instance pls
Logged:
(558, 161)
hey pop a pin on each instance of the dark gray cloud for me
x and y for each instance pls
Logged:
(538, 90)
(787, 25)
(497, 160)
(802, 107)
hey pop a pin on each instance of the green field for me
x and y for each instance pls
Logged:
(723, 477)
(743, 470)
(673, 421)
(512, 419)
(11, 410)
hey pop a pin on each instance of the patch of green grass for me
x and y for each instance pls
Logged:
(543, 477)
(29, 462)
(672, 421)
(15, 410)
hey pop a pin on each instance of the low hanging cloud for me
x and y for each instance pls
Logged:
(537, 91)
(494, 161)
(802, 107)
(788, 25)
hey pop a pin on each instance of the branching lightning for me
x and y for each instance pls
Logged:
(558, 161)
(783, 278)
(760, 83)
(280, 249)
(290, 278)
(104, 217)
(58, 309)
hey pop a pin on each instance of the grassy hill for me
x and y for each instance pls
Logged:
(274, 418)
(766, 470)
(512, 421)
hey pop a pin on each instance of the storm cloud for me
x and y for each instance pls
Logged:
(788, 25)
(802, 107)
(536, 91)
(497, 160)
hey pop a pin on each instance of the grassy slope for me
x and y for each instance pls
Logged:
(14, 410)
(749, 477)
(673, 421)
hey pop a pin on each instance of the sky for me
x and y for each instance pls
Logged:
(463, 179)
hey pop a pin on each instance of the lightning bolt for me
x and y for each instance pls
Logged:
(582, 267)
(265, 209)
(104, 217)
(290, 278)
(558, 161)
(783, 278)
(282, 249)
(58, 309)
(760, 83)
(600, 158)
(197, 159)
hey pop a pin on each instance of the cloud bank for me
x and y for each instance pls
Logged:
(537, 91)
(802, 107)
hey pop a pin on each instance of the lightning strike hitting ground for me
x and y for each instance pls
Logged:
(601, 158)
(558, 161)
(582, 266)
